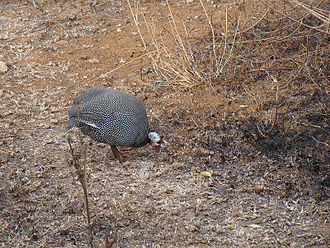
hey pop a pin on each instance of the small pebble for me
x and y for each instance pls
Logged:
(3, 67)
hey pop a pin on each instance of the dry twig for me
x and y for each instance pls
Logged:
(81, 177)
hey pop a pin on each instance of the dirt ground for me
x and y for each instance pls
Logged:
(267, 190)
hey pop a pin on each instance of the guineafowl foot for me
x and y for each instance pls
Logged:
(118, 155)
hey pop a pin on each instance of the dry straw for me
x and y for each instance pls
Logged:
(175, 62)
(178, 60)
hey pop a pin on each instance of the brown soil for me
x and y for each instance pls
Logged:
(267, 189)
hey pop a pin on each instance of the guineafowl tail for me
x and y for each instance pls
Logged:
(72, 123)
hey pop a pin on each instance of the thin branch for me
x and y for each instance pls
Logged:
(82, 179)
(320, 142)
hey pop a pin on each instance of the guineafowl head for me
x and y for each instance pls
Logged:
(155, 140)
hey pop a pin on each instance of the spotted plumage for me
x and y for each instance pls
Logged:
(112, 117)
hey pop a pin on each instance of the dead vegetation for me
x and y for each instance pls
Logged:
(240, 90)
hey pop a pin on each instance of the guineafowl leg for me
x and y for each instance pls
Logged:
(116, 153)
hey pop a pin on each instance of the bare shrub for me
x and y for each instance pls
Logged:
(250, 37)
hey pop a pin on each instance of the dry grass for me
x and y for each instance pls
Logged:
(180, 57)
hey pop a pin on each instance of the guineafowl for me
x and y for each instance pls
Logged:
(112, 117)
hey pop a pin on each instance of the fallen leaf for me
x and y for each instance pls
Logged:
(206, 174)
